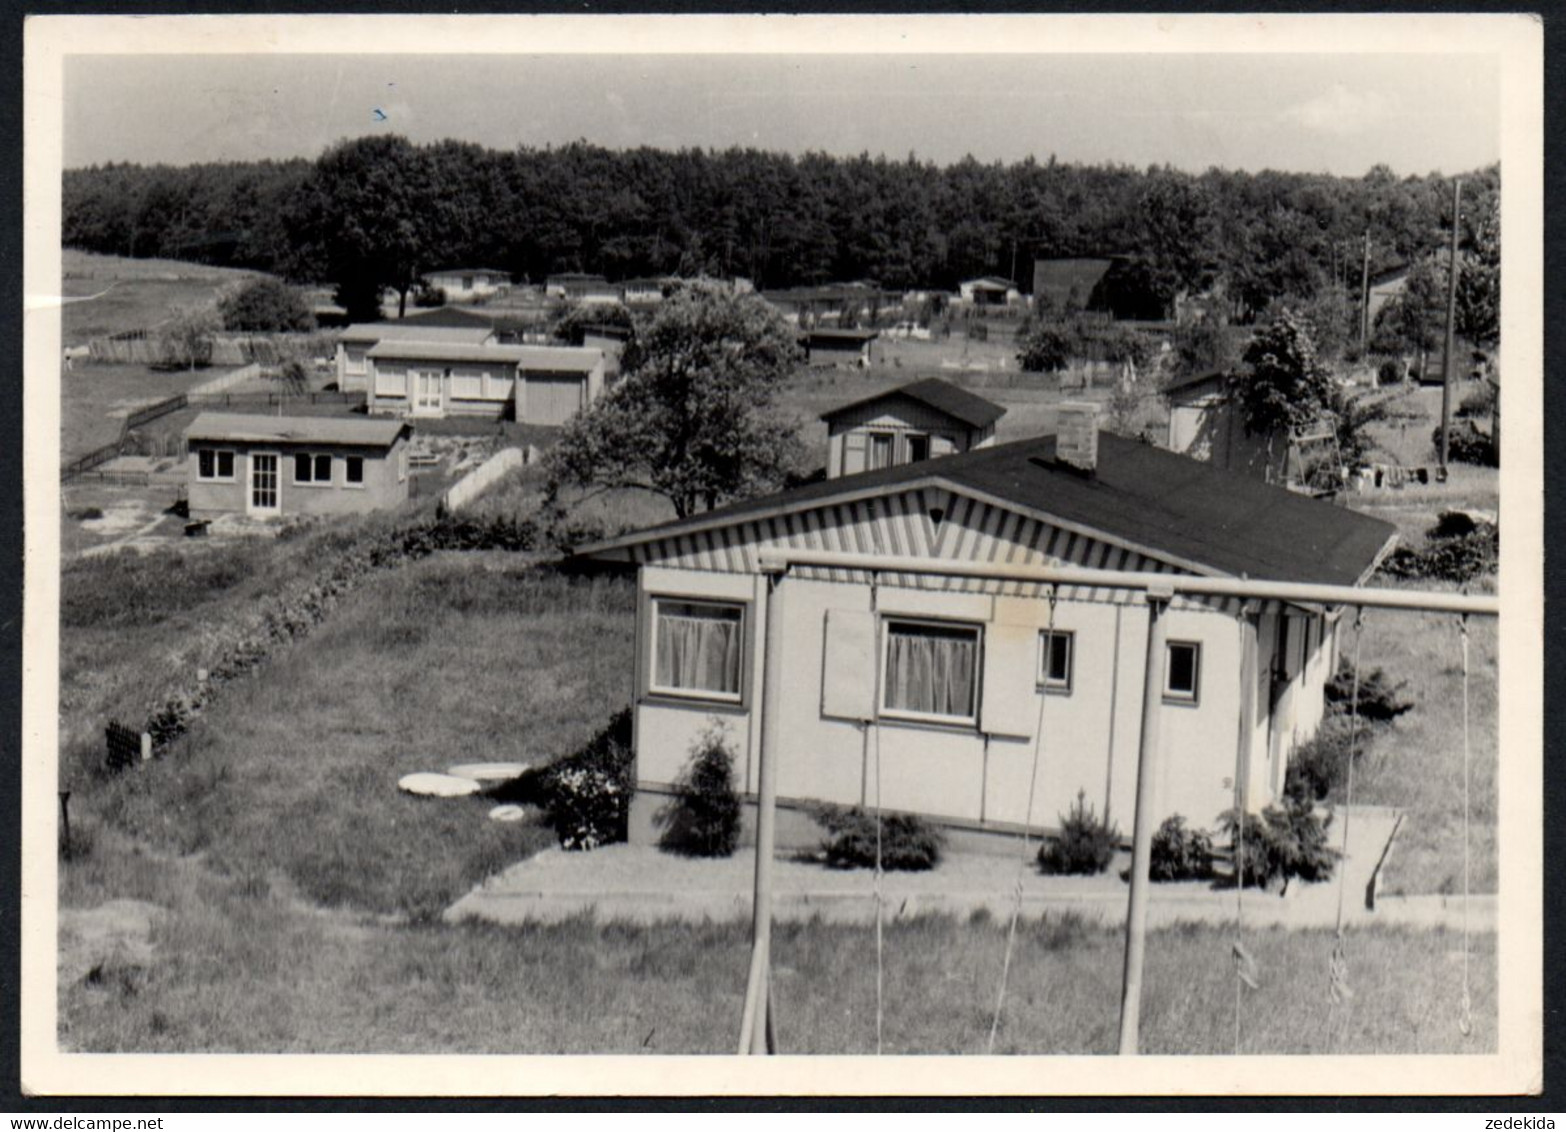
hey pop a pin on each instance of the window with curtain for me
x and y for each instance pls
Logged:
(698, 648)
(1055, 651)
(931, 670)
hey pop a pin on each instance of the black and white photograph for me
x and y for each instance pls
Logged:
(647, 555)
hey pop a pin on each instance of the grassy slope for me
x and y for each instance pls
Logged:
(141, 293)
(94, 398)
(455, 659)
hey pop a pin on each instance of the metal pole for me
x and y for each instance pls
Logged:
(1142, 832)
(1451, 318)
(1478, 605)
(756, 1023)
(1364, 297)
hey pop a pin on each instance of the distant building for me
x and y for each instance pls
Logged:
(440, 325)
(850, 348)
(646, 292)
(267, 467)
(1206, 424)
(533, 384)
(919, 421)
(989, 291)
(466, 284)
(1064, 285)
(580, 287)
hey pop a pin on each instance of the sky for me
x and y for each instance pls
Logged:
(1339, 113)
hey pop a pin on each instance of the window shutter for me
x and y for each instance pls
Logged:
(848, 670)
(1011, 669)
(854, 452)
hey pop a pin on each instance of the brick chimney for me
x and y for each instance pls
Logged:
(1076, 436)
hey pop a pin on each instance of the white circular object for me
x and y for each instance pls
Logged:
(489, 772)
(437, 785)
(507, 812)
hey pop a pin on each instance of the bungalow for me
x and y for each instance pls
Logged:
(355, 341)
(1206, 424)
(531, 384)
(905, 425)
(467, 284)
(267, 467)
(945, 679)
(577, 287)
(838, 347)
(989, 291)
(646, 292)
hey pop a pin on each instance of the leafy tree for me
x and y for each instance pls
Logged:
(266, 305)
(369, 210)
(1283, 387)
(1206, 344)
(1049, 348)
(186, 339)
(692, 416)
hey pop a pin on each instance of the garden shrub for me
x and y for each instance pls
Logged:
(588, 793)
(1466, 444)
(1180, 853)
(1391, 372)
(908, 842)
(1282, 842)
(1379, 699)
(704, 819)
(1085, 844)
(1460, 559)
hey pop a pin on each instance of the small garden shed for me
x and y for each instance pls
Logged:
(913, 422)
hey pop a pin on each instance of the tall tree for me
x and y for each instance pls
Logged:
(693, 416)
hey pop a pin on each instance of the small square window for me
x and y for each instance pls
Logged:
(225, 465)
(918, 447)
(698, 648)
(353, 469)
(1055, 656)
(206, 463)
(301, 468)
(1182, 671)
(323, 469)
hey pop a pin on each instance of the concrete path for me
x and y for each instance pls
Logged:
(643, 885)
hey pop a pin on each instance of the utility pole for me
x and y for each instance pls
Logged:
(1451, 318)
(1364, 298)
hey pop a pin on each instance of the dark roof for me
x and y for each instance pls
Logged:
(989, 281)
(1175, 507)
(446, 316)
(940, 395)
(408, 330)
(829, 335)
(468, 271)
(1193, 380)
(260, 428)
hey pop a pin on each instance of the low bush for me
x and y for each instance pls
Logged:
(1379, 699)
(1281, 843)
(1085, 844)
(1318, 766)
(1466, 444)
(704, 819)
(82, 513)
(1391, 372)
(588, 793)
(1459, 560)
(1480, 403)
(1180, 853)
(908, 842)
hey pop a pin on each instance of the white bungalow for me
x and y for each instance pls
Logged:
(953, 680)
(533, 384)
(451, 327)
(469, 284)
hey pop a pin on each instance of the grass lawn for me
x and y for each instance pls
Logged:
(133, 294)
(470, 658)
(240, 964)
(94, 398)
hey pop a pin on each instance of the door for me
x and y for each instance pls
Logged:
(262, 501)
(552, 400)
(427, 385)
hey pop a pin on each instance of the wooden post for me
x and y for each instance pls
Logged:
(1242, 766)
(65, 822)
(756, 1024)
(1451, 318)
(146, 747)
(1142, 831)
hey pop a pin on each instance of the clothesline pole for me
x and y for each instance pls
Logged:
(1142, 831)
(756, 1025)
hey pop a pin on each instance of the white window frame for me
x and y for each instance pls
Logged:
(871, 436)
(1049, 683)
(351, 484)
(314, 480)
(700, 695)
(1182, 696)
(887, 712)
(216, 476)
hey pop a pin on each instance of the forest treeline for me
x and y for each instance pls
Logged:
(378, 212)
